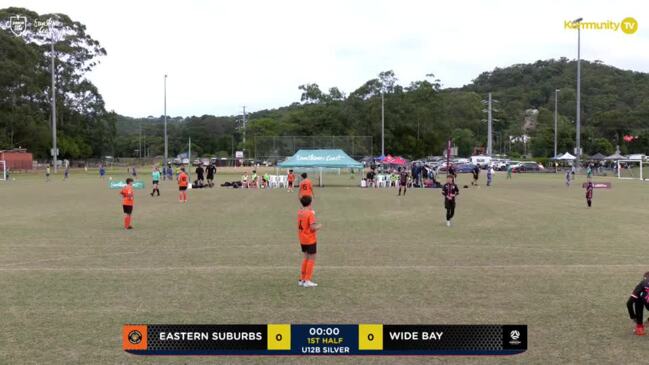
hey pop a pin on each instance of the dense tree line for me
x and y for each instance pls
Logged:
(419, 117)
(85, 128)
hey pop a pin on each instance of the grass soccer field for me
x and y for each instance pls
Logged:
(525, 251)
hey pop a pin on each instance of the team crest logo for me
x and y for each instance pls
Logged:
(18, 24)
(135, 337)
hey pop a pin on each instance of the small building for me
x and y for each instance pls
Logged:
(17, 159)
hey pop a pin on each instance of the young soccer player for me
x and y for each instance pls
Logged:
(403, 181)
(47, 173)
(183, 182)
(568, 172)
(127, 202)
(254, 180)
(291, 180)
(306, 188)
(266, 180)
(155, 177)
(638, 302)
(450, 191)
(102, 171)
(306, 231)
(244, 180)
(589, 193)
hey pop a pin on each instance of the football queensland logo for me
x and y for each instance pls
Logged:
(628, 25)
(514, 336)
(18, 24)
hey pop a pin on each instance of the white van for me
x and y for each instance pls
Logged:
(482, 161)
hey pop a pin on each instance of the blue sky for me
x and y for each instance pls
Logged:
(221, 55)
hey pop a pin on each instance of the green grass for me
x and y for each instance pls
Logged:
(526, 250)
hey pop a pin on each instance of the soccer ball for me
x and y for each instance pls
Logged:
(110, 178)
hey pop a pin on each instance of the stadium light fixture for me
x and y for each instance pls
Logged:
(578, 128)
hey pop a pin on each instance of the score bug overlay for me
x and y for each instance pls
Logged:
(324, 339)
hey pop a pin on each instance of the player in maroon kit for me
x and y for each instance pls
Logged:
(638, 302)
(589, 193)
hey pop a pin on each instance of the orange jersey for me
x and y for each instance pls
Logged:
(127, 195)
(291, 177)
(305, 218)
(306, 189)
(183, 179)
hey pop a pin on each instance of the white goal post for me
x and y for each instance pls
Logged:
(3, 170)
(631, 169)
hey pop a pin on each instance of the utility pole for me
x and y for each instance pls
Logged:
(139, 148)
(189, 157)
(578, 137)
(55, 151)
(244, 128)
(556, 98)
(382, 125)
(489, 122)
(166, 157)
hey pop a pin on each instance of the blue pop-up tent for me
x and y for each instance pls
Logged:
(320, 159)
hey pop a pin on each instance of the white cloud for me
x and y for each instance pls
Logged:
(221, 55)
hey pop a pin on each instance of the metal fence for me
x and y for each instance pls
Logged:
(280, 147)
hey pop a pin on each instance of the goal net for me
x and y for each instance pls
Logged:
(3, 170)
(631, 169)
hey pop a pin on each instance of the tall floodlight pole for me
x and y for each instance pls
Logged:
(489, 129)
(382, 125)
(578, 138)
(244, 128)
(165, 123)
(556, 102)
(55, 151)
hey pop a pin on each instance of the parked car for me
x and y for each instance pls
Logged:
(462, 168)
(500, 164)
(482, 161)
(528, 166)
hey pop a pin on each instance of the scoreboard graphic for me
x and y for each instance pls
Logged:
(324, 339)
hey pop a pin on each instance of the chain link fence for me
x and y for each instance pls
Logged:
(277, 148)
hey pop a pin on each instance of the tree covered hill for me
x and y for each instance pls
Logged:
(419, 116)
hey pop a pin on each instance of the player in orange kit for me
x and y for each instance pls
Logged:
(127, 202)
(306, 188)
(291, 180)
(306, 231)
(183, 182)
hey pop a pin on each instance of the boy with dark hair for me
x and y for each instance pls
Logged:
(291, 180)
(306, 188)
(306, 231)
(128, 201)
(450, 191)
(403, 181)
(637, 302)
(589, 193)
(183, 182)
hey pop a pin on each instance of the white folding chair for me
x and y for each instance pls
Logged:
(284, 181)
